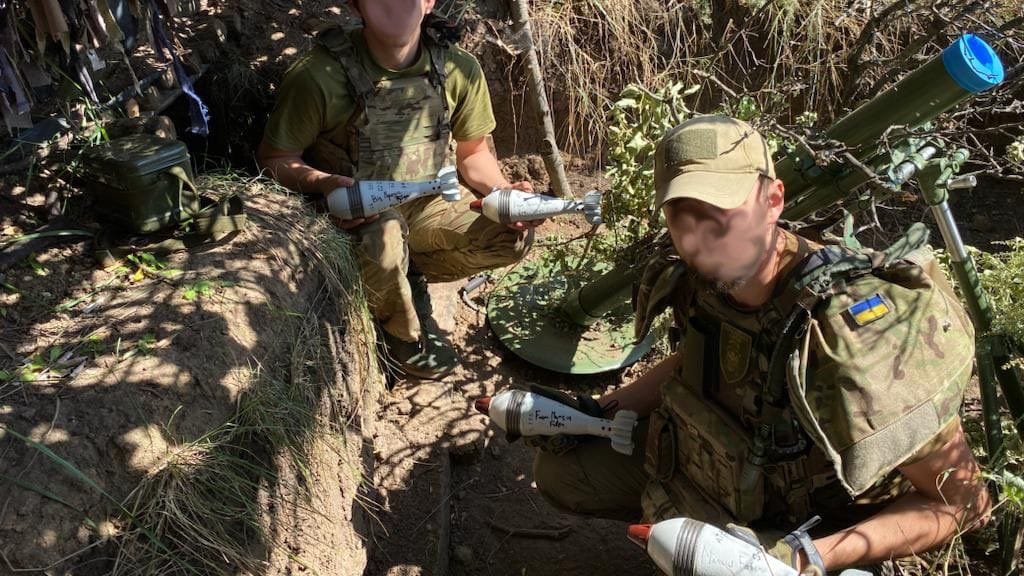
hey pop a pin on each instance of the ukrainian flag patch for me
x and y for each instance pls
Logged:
(868, 310)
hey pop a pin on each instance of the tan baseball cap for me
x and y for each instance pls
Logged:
(715, 159)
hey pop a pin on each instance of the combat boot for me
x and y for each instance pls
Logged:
(432, 357)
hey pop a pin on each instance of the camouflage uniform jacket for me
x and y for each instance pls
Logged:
(873, 379)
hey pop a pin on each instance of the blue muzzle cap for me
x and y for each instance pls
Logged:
(973, 64)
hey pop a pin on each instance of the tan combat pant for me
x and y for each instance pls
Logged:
(445, 240)
(594, 480)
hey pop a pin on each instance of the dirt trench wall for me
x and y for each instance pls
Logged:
(144, 387)
(330, 531)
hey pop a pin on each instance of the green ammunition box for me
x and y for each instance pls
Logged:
(140, 183)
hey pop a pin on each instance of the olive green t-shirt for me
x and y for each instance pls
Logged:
(314, 97)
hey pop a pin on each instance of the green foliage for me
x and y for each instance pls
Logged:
(204, 289)
(93, 344)
(1011, 488)
(146, 343)
(807, 119)
(37, 267)
(200, 288)
(638, 119)
(29, 371)
(1002, 275)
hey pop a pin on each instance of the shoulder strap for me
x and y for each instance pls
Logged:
(853, 263)
(438, 55)
(438, 77)
(339, 43)
(659, 285)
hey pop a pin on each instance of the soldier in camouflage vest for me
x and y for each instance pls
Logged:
(395, 101)
(810, 382)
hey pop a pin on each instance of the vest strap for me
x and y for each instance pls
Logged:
(438, 77)
(339, 43)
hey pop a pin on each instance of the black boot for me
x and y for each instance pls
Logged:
(430, 358)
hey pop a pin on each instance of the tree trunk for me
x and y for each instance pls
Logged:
(549, 148)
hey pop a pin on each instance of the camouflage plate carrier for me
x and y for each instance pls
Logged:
(809, 404)
(400, 129)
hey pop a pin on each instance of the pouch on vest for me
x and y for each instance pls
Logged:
(660, 449)
(711, 446)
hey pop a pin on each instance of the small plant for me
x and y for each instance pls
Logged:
(201, 288)
(147, 264)
(45, 363)
(807, 119)
(1011, 488)
(145, 345)
(30, 371)
(93, 344)
(638, 120)
(37, 267)
(1002, 274)
(204, 288)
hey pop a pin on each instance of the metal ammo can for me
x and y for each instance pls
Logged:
(141, 183)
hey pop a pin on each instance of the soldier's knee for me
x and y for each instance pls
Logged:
(382, 242)
(551, 474)
(589, 480)
(563, 481)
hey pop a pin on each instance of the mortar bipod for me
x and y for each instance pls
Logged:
(937, 175)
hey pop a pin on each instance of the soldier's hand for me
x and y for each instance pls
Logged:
(524, 186)
(794, 549)
(330, 184)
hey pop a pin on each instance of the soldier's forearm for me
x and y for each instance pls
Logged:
(301, 177)
(479, 168)
(643, 395)
(291, 171)
(911, 525)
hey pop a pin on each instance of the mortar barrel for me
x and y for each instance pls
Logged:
(965, 68)
(590, 302)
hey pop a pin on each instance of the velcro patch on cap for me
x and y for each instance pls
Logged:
(694, 144)
(868, 310)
